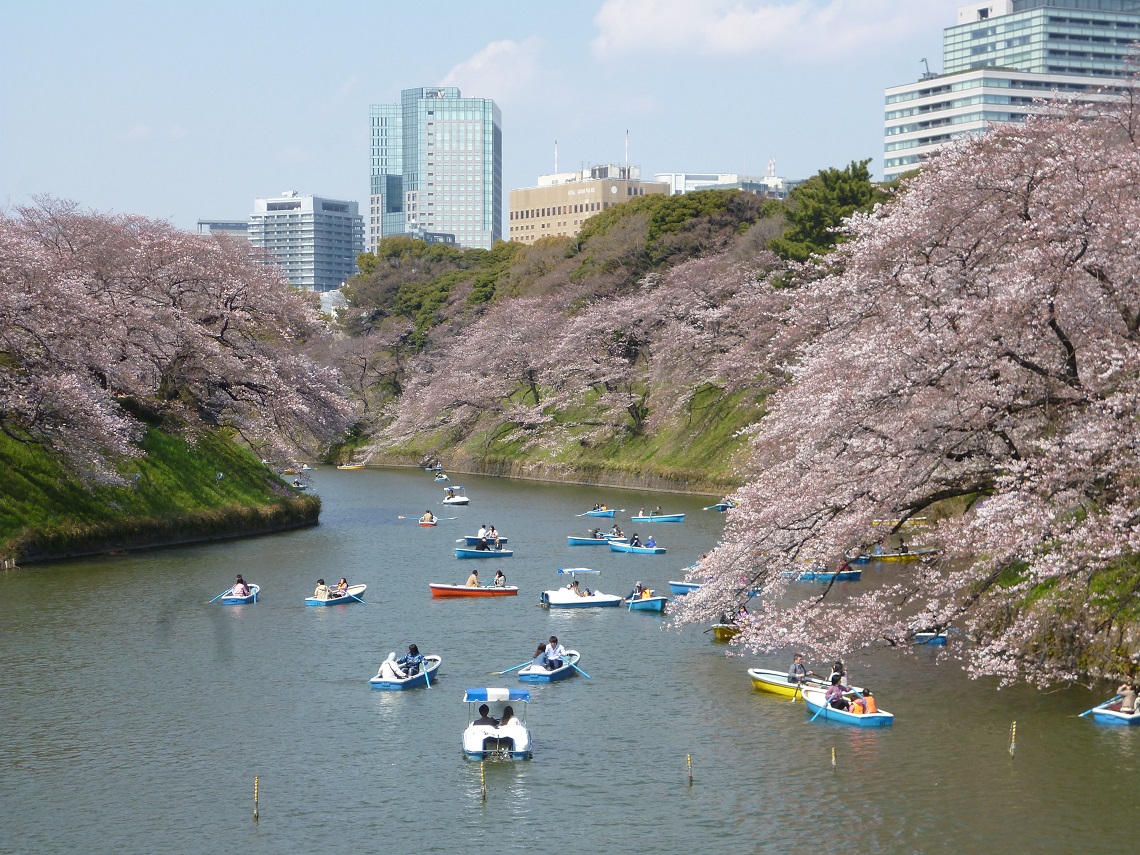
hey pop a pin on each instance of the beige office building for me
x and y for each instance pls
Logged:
(561, 203)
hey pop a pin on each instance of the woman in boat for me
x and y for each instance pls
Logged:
(411, 661)
(555, 652)
(240, 588)
(577, 589)
(322, 591)
(493, 537)
(837, 667)
(508, 716)
(428, 517)
(1127, 692)
(500, 579)
(473, 579)
(597, 507)
(540, 655)
(450, 493)
(615, 531)
(341, 588)
(833, 697)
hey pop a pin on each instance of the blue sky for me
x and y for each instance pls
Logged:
(190, 110)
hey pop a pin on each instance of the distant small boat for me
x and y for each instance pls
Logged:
(540, 674)
(471, 552)
(567, 598)
(725, 631)
(930, 638)
(636, 550)
(647, 604)
(427, 523)
(251, 597)
(441, 477)
(607, 512)
(815, 702)
(440, 591)
(427, 673)
(679, 589)
(593, 541)
(355, 595)
(676, 518)
(306, 468)
(1109, 713)
(350, 466)
(473, 539)
(911, 555)
(721, 506)
(437, 468)
(826, 576)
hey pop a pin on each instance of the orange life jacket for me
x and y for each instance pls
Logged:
(872, 707)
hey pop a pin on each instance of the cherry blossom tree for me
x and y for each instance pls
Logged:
(974, 345)
(103, 317)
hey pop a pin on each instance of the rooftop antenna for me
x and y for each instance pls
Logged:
(627, 154)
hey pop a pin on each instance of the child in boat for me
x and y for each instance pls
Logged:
(864, 705)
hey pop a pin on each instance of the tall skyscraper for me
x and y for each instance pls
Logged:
(313, 240)
(437, 168)
(1001, 57)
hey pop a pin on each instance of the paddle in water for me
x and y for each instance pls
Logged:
(222, 594)
(1101, 704)
(514, 667)
(580, 671)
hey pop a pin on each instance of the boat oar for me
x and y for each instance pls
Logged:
(427, 677)
(354, 597)
(818, 711)
(514, 668)
(799, 688)
(580, 671)
(1101, 704)
(222, 594)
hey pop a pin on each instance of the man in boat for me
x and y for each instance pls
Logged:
(485, 716)
(428, 517)
(615, 531)
(637, 592)
(651, 543)
(597, 534)
(555, 652)
(903, 547)
(322, 591)
(635, 540)
(798, 673)
(240, 588)
(473, 579)
(1127, 692)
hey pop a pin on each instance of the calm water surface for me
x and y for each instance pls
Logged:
(136, 716)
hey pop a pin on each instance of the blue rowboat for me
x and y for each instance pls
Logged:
(930, 638)
(592, 541)
(721, 506)
(473, 539)
(679, 589)
(1109, 713)
(466, 552)
(606, 513)
(538, 674)
(827, 576)
(648, 604)
(431, 666)
(814, 700)
(238, 601)
(636, 550)
(659, 518)
(355, 594)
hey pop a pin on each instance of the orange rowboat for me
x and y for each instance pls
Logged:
(443, 592)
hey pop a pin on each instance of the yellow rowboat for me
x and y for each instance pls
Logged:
(912, 555)
(776, 682)
(907, 521)
(351, 466)
(724, 631)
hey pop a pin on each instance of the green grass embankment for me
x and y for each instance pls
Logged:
(174, 496)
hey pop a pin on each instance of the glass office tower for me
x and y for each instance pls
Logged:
(437, 168)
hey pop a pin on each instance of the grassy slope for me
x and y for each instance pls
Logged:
(45, 512)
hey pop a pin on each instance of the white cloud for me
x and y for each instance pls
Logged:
(345, 89)
(137, 132)
(507, 71)
(795, 30)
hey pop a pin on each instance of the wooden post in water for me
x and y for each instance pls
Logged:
(483, 779)
(1012, 739)
(689, 763)
(255, 811)
(833, 758)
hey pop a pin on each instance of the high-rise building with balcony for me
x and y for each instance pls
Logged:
(313, 240)
(999, 61)
(437, 168)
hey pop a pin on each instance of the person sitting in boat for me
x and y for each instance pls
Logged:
(838, 668)
(597, 507)
(798, 673)
(482, 532)
(389, 669)
(603, 507)
(322, 591)
(616, 532)
(637, 592)
(473, 579)
(597, 534)
(833, 697)
(481, 544)
(1127, 692)
(635, 540)
(493, 537)
(577, 589)
(878, 547)
(411, 661)
(741, 612)
(240, 588)
(428, 517)
(341, 588)
(903, 549)
(656, 510)
(508, 717)
(863, 704)
(650, 543)
(540, 655)
(485, 716)
(500, 579)
(555, 653)
(450, 493)
(843, 567)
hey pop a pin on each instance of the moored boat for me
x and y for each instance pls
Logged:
(616, 546)
(816, 704)
(535, 673)
(509, 741)
(440, 591)
(472, 552)
(570, 597)
(355, 595)
(455, 496)
(425, 677)
(251, 597)
(652, 517)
